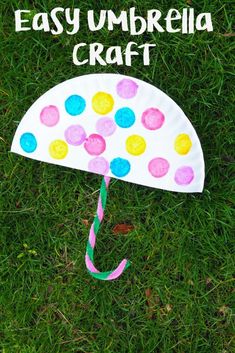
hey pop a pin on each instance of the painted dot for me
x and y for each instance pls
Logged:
(102, 103)
(120, 167)
(75, 135)
(28, 142)
(58, 149)
(183, 144)
(127, 88)
(105, 126)
(95, 145)
(50, 116)
(158, 167)
(75, 105)
(125, 117)
(152, 119)
(135, 145)
(184, 175)
(99, 165)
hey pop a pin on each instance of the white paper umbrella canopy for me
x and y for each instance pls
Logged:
(116, 126)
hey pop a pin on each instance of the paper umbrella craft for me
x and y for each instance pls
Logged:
(115, 126)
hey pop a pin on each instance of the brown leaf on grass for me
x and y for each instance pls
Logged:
(122, 228)
(189, 2)
(148, 293)
(85, 222)
(149, 302)
(228, 34)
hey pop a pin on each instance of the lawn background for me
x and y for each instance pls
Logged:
(178, 294)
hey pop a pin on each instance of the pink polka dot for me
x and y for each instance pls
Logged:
(152, 119)
(105, 126)
(75, 135)
(127, 88)
(95, 145)
(99, 165)
(184, 175)
(50, 116)
(158, 167)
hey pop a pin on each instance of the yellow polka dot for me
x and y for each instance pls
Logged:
(135, 145)
(183, 144)
(58, 149)
(102, 103)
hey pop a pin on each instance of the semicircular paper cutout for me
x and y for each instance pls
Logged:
(116, 126)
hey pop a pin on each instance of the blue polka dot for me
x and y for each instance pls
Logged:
(75, 105)
(28, 142)
(125, 117)
(120, 167)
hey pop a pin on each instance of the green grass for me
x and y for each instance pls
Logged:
(178, 295)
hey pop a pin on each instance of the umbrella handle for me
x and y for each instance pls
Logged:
(89, 257)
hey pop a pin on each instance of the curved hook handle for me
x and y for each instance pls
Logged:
(89, 257)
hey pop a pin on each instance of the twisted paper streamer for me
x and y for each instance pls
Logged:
(89, 258)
